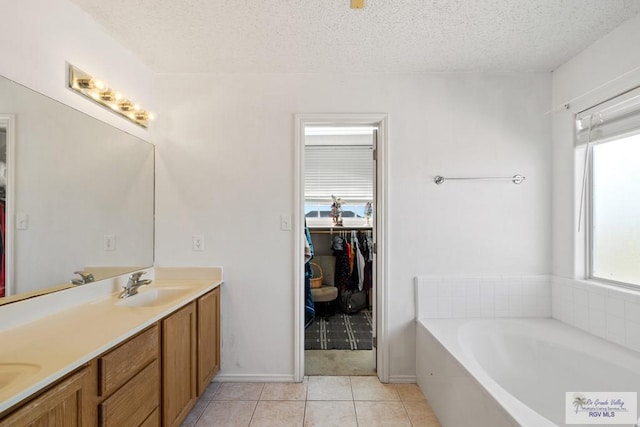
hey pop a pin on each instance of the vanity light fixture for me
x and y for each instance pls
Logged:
(98, 91)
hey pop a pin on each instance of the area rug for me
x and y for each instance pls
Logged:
(340, 332)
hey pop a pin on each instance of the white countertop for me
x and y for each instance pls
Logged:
(61, 342)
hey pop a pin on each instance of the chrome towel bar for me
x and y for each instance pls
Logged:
(516, 179)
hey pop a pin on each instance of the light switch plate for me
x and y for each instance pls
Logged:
(22, 221)
(285, 222)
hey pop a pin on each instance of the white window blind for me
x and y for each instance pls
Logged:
(609, 120)
(344, 171)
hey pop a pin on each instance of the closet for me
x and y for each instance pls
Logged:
(339, 186)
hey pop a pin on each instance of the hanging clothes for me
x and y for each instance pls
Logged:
(309, 308)
(360, 266)
(343, 270)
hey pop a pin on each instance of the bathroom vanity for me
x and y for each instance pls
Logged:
(142, 360)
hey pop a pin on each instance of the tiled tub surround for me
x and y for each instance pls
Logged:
(445, 297)
(475, 371)
(610, 312)
(454, 374)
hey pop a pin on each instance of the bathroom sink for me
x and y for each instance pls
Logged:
(154, 297)
(10, 372)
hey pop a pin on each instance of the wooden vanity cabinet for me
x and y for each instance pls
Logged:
(152, 379)
(68, 403)
(190, 355)
(129, 381)
(179, 369)
(208, 338)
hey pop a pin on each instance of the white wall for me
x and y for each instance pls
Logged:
(604, 69)
(38, 38)
(225, 170)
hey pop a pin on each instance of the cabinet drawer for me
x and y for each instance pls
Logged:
(119, 365)
(134, 402)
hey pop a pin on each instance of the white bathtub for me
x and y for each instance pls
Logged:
(514, 372)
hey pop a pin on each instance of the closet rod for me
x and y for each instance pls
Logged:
(516, 179)
(337, 231)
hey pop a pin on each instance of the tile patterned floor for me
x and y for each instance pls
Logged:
(320, 401)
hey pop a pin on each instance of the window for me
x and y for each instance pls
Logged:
(612, 135)
(344, 171)
(338, 163)
(615, 211)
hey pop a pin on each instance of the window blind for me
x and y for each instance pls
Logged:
(609, 120)
(344, 171)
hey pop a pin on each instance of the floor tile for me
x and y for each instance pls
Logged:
(339, 401)
(238, 391)
(409, 392)
(420, 413)
(338, 362)
(284, 391)
(200, 405)
(380, 413)
(278, 414)
(324, 413)
(210, 391)
(195, 413)
(329, 388)
(227, 414)
(370, 388)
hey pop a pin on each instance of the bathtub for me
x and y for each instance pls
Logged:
(514, 372)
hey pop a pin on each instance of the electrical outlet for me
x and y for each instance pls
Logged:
(109, 243)
(197, 242)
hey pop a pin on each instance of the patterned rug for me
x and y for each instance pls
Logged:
(340, 332)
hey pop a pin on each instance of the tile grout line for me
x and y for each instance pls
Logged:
(256, 407)
(353, 402)
(195, 424)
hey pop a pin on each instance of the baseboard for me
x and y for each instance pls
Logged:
(403, 379)
(253, 378)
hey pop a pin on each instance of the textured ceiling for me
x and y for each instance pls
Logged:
(274, 36)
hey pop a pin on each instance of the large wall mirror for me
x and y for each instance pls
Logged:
(78, 196)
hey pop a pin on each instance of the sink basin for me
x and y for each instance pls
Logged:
(10, 372)
(153, 297)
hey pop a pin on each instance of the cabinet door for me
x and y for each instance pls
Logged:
(208, 338)
(66, 404)
(179, 365)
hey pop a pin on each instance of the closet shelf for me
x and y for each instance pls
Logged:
(333, 230)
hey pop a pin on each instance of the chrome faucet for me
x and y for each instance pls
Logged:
(133, 284)
(86, 277)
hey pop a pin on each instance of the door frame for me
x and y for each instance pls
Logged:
(8, 122)
(381, 121)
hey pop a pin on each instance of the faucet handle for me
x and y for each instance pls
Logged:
(136, 276)
(87, 277)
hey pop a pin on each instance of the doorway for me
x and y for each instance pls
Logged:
(341, 204)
